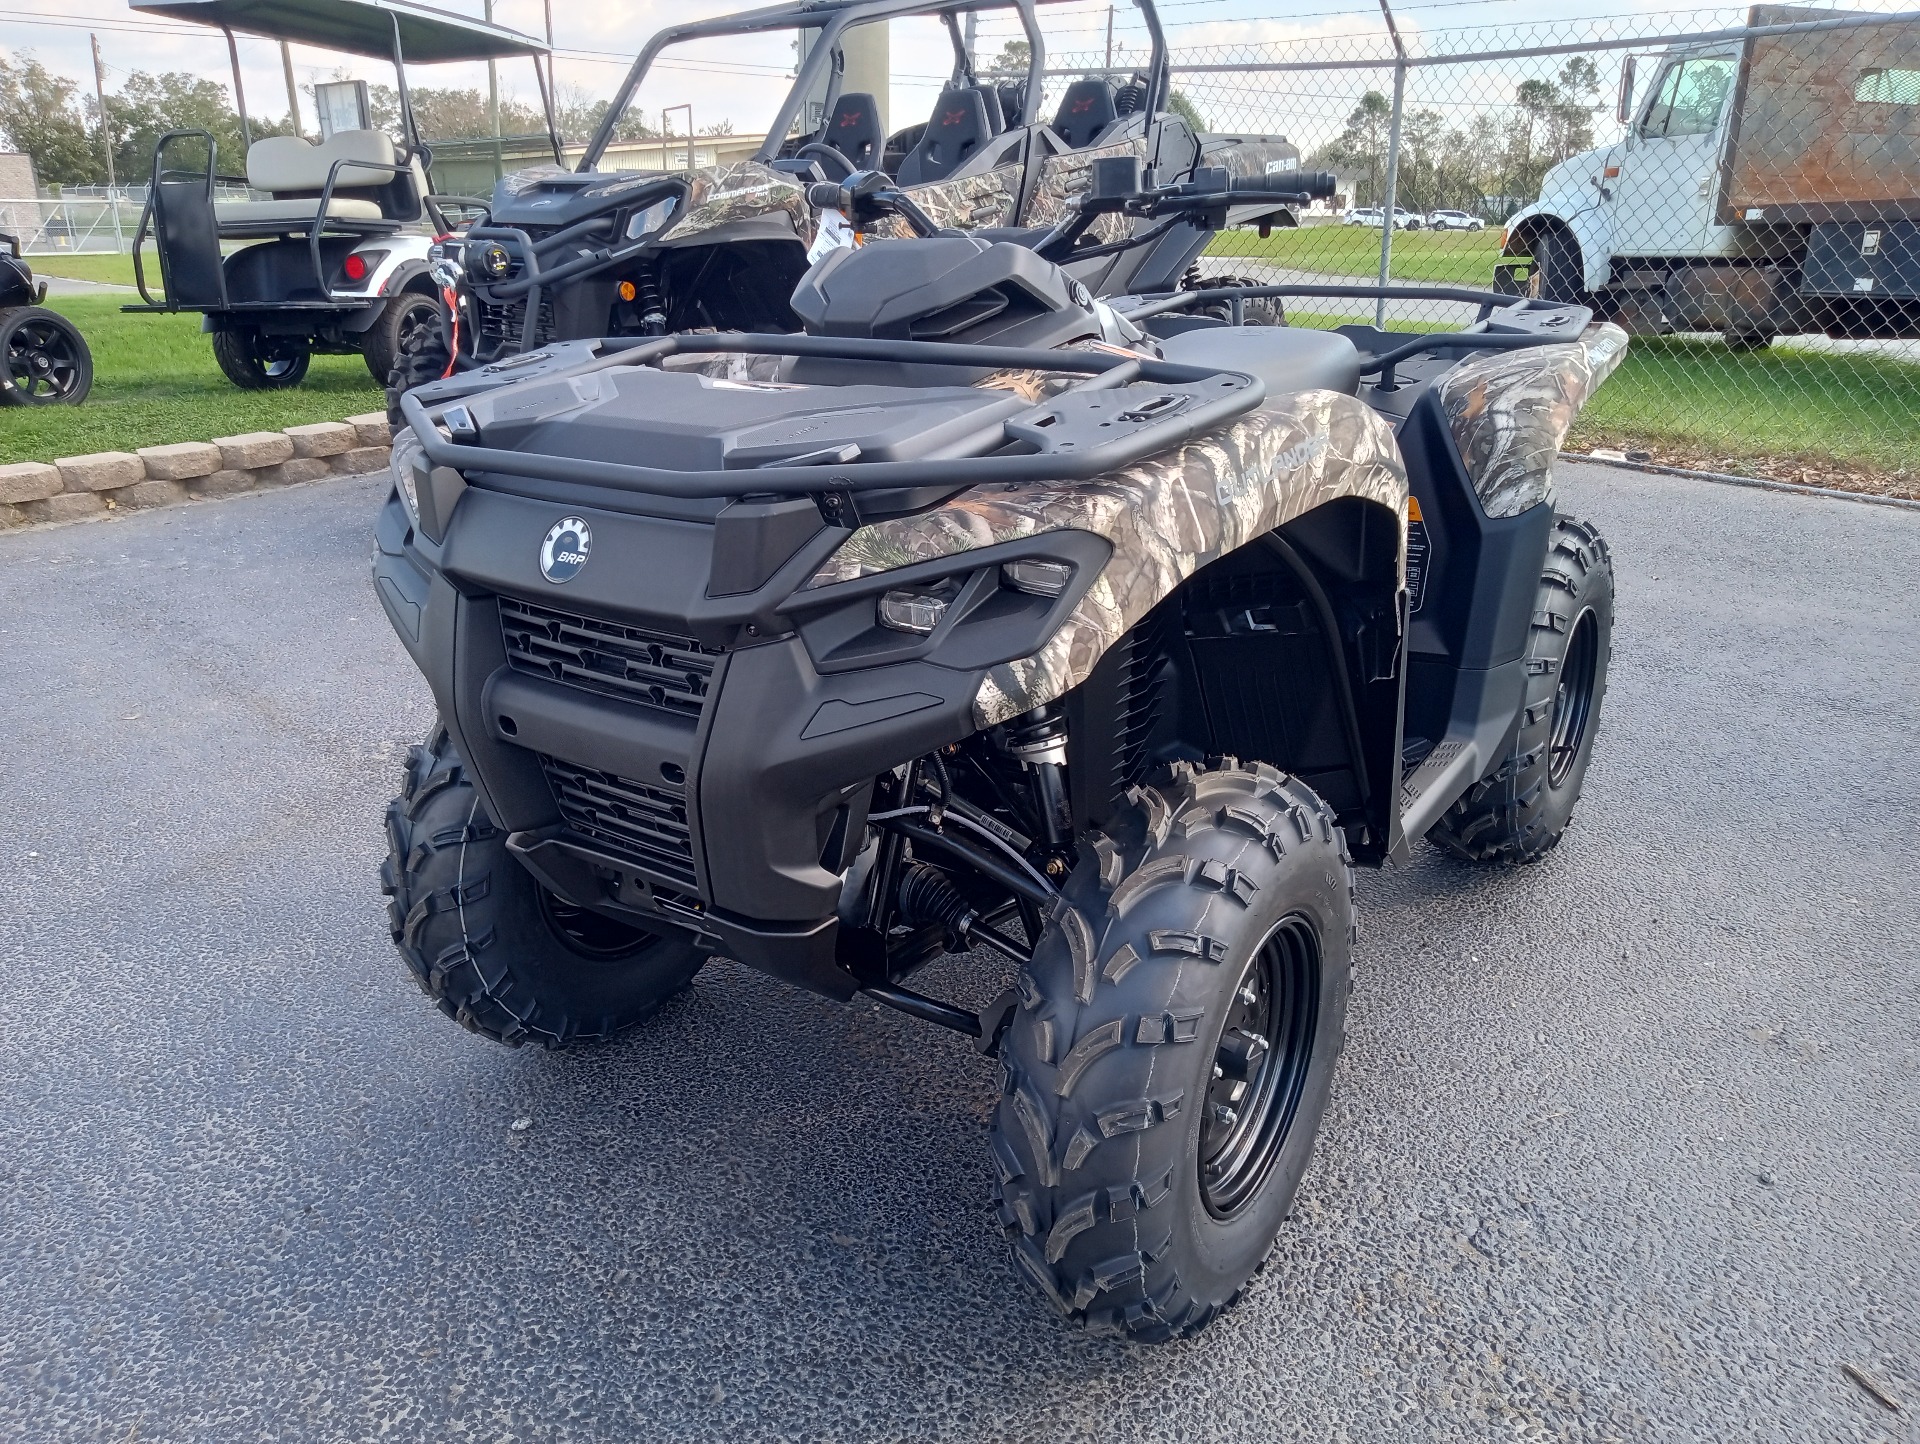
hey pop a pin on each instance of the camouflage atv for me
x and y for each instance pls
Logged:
(1095, 642)
(588, 253)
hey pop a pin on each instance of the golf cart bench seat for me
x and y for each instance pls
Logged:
(294, 172)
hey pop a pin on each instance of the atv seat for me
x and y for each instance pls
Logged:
(372, 198)
(959, 127)
(1287, 358)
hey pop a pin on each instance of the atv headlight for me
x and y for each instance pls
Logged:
(405, 481)
(1037, 578)
(652, 218)
(917, 609)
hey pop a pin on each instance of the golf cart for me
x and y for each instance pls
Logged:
(623, 253)
(44, 361)
(1094, 640)
(333, 258)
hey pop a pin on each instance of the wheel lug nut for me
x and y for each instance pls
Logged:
(1218, 1071)
(1224, 1115)
(1245, 994)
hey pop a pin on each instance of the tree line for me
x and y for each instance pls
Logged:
(1493, 163)
(56, 121)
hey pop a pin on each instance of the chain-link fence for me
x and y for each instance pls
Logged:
(1739, 188)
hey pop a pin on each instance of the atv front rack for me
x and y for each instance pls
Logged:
(1129, 408)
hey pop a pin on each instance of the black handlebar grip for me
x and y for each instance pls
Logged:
(826, 195)
(1318, 184)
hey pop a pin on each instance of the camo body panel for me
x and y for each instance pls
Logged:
(1065, 178)
(1509, 411)
(744, 190)
(1166, 518)
(964, 202)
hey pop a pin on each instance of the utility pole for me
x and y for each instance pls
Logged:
(549, 26)
(1109, 37)
(293, 91)
(100, 96)
(493, 87)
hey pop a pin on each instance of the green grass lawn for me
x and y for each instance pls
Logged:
(1780, 403)
(155, 382)
(116, 269)
(1460, 258)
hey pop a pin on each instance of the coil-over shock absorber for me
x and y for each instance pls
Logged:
(648, 300)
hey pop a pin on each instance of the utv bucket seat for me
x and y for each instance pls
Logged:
(1086, 110)
(958, 128)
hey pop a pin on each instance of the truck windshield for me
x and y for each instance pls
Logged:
(1691, 96)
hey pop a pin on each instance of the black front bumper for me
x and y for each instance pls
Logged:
(713, 780)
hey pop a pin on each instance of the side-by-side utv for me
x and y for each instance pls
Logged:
(597, 252)
(1094, 641)
(329, 256)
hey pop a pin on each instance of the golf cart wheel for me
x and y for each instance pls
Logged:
(1261, 311)
(255, 362)
(1165, 1075)
(496, 952)
(1518, 811)
(408, 321)
(44, 361)
(426, 356)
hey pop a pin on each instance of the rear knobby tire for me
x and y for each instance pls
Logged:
(1208, 883)
(496, 952)
(1259, 311)
(1518, 811)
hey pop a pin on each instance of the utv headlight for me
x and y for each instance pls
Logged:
(917, 610)
(652, 218)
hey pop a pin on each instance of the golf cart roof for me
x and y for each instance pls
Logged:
(355, 27)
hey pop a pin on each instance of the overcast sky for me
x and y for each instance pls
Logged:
(741, 81)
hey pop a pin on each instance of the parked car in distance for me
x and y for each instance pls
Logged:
(1403, 219)
(1454, 221)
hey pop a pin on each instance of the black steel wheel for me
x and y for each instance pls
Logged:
(1260, 1066)
(254, 361)
(44, 361)
(497, 952)
(1518, 811)
(1166, 1073)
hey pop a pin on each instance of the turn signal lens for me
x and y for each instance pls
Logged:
(1036, 578)
(627, 292)
(356, 268)
(917, 610)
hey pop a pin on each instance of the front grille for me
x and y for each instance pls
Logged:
(497, 330)
(630, 820)
(647, 668)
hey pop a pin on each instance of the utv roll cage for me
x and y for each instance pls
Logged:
(832, 19)
(181, 214)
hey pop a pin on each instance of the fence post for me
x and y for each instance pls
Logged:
(1393, 163)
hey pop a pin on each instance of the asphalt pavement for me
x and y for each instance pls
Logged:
(1623, 1146)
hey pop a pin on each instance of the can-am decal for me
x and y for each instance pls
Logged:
(564, 551)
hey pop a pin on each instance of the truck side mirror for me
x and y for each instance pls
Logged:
(1623, 109)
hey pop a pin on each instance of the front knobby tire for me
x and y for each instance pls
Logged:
(495, 951)
(1169, 1064)
(1518, 811)
(1259, 311)
(424, 355)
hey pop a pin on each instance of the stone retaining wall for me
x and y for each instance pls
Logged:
(77, 486)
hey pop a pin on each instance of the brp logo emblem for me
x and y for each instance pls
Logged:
(564, 551)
